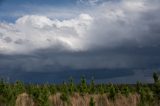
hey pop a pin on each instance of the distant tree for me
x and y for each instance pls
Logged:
(146, 96)
(155, 77)
(44, 94)
(101, 89)
(112, 92)
(9, 95)
(2, 85)
(71, 86)
(19, 87)
(64, 93)
(92, 87)
(138, 86)
(125, 90)
(52, 89)
(83, 86)
(91, 103)
(156, 90)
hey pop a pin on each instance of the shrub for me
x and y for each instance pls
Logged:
(19, 87)
(9, 95)
(146, 96)
(91, 103)
(92, 87)
(125, 90)
(71, 88)
(83, 86)
(155, 77)
(112, 92)
(52, 89)
(101, 89)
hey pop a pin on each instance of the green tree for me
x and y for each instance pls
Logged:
(112, 92)
(138, 86)
(19, 87)
(71, 86)
(101, 89)
(91, 103)
(64, 94)
(52, 89)
(83, 86)
(155, 77)
(2, 85)
(125, 90)
(43, 96)
(92, 87)
(146, 96)
(9, 95)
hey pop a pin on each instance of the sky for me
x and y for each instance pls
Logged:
(51, 40)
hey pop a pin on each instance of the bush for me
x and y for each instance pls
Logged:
(19, 88)
(92, 87)
(52, 89)
(39, 94)
(64, 93)
(125, 90)
(9, 95)
(71, 88)
(91, 103)
(112, 92)
(83, 86)
(146, 96)
(101, 89)
(155, 77)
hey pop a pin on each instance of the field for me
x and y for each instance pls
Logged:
(82, 94)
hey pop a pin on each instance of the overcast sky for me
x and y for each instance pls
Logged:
(113, 40)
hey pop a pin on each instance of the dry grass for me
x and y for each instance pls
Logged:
(131, 100)
(55, 100)
(24, 100)
(78, 100)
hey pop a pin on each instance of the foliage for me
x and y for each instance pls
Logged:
(40, 94)
(112, 92)
(125, 90)
(71, 87)
(83, 86)
(92, 87)
(65, 93)
(101, 89)
(155, 77)
(146, 96)
(52, 89)
(91, 103)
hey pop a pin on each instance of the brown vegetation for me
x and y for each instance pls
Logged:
(79, 100)
(24, 100)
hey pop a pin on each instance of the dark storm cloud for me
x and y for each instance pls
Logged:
(100, 64)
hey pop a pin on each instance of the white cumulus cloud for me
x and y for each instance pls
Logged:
(107, 25)
(33, 32)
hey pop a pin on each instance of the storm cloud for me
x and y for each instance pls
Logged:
(118, 34)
